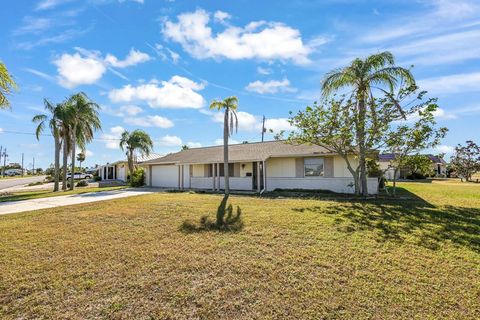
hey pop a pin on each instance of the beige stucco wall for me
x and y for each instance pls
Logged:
(245, 167)
(285, 167)
(198, 170)
(281, 167)
(340, 167)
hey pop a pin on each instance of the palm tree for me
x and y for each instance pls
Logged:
(81, 158)
(229, 106)
(64, 116)
(131, 142)
(377, 71)
(7, 84)
(54, 124)
(83, 122)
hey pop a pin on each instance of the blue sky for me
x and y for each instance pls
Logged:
(156, 65)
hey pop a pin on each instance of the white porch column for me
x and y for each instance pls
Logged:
(102, 173)
(264, 176)
(213, 176)
(115, 172)
(218, 176)
(258, 176)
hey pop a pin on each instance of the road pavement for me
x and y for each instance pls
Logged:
(13, 182)
(84, 198)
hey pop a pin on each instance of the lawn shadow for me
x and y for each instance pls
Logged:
(408, 218)
(225, 220)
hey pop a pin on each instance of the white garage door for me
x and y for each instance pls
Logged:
(165, 176)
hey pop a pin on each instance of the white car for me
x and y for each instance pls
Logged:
(79, 176)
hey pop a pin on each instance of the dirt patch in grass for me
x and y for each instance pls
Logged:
(292, 259)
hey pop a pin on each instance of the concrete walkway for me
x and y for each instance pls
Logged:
(52, 202)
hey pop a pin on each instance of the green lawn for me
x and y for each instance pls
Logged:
(154, 257)
(36, 194)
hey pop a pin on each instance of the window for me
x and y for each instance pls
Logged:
(313, 167)
(230, 170)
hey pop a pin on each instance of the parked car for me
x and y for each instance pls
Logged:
(79, 176)
(13, 172)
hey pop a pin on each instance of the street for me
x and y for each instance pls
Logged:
(8, 183)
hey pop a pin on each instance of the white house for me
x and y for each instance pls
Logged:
(119, 170)
(261, 166)
(438, 167)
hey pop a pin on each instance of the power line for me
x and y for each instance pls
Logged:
(49, 135)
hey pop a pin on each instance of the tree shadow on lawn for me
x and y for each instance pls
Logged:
(412, 219)
(225, 220)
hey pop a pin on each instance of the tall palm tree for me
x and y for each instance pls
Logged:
(377, 71)
(54, 124)
(64, 116)
(81, 158)
(230, 124)
(133, 141)
(7, 85)
(83, 122)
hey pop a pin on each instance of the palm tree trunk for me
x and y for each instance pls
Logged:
(56, 170)
(130, 163)
(65, 164)
(361, 145)
(225, 153)
(74, 143)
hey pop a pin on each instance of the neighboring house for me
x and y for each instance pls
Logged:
(439, 166)
(119, 170)
(261, 166)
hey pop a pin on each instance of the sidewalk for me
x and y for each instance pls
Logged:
(53, 202)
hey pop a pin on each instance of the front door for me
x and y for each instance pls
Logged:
(255, 178)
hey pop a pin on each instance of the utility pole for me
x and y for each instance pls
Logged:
(23, 169)
(263, 127)
(33, 167)
(4, 161)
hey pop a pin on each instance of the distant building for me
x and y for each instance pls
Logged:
(439, 166)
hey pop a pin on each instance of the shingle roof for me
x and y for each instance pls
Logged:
(257, 151)
(384, 157)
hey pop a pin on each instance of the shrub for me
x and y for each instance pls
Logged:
(137, 178)
(31, 184)
(82, 183)
(97, 178)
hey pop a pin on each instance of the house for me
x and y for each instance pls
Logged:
(439, 166)
(258, 167)
(119, 169)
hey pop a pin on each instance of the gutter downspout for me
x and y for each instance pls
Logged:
(264, 170)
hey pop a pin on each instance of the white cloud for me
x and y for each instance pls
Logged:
(134, 57)
(40, 74)
(75, 70)
(88, 153)
(455, 83)
(264, 71)
(33, 25)
(87, 66)
(49, 4)
(444, 115)
(221, 16)
(246, 121)
(112, 139)
(257, 40)
(277, 125)
(170, 141)
(178, 92)
(250, 123)
(149, 121)
(271, 86)
(445, 149)
(130, 110)
(1, 130)
(230, 141)
(194, 144)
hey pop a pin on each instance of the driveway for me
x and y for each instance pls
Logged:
(13, 182)
(53, 202)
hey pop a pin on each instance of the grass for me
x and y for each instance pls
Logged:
(292, 258)
(36, 194)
